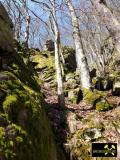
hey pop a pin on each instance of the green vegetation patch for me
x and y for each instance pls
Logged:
(25, 132)
(103, 105)
(90, 97)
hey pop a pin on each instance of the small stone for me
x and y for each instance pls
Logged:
(69, 76)
(72, 122)
(116, 88)
(92, 134)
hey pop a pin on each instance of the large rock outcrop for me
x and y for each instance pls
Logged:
(6, 38)
(25, 132)
(49, 45)
(6, 31)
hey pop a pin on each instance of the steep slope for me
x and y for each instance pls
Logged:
(95, 118)
(25, 132)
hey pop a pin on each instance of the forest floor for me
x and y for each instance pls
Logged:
(83, 111)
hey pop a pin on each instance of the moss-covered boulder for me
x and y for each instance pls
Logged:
(25, 132)
(98, 100)
(103, 105)
(44, 65)
(90, 97)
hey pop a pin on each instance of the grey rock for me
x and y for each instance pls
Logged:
(72, 122)
(69, 76)
(6, 31)
(116, 88)
(49, 45)
(92, 134)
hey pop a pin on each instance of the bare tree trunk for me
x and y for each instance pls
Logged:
(27, 29)
(60, 90)
(18, 27)
(27, 23)
(110, 21)
(80, 56)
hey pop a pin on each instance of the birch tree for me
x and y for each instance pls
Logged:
(56, 32)
(80, 56)
(57, 57)
(27, 23)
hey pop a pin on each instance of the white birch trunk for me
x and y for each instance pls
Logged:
(27, 28)
(27, 23)
(80, 56)
(57, 59)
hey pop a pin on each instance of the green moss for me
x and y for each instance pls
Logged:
(43, 61)
(27, 133)
(90, 97)
(8, 139)
(5, 145)
(24, 72)
(97, 99)
(79, 150)
(94, 80)
(82, 151)
(103, 106)
(91, 122)
(24, 108)
(11, 100)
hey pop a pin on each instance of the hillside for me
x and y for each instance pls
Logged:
(25, 132)
(58, 100)
(94, 118)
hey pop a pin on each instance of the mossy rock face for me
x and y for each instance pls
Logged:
(42, 60)
(82, 151)
(98, 100)
(79, 148)
(6, 30)
(25, 132)
(69, 76)
(45, 67)
(94, 128)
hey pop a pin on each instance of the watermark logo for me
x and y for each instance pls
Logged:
(111, 150)
(104, 149)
